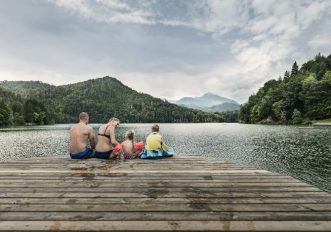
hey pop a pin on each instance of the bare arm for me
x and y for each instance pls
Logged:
(112, 135)
(91, 137)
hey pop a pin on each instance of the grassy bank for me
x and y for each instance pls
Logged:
(327, 120)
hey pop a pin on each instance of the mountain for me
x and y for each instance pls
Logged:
(16, 110)
(298, 97)
(102, 98)
(226, 106)
(27, 89)
(209, 102)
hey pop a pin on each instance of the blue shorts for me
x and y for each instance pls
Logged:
(102, 155)
(88, 153)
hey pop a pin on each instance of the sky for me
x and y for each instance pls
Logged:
(169, 49)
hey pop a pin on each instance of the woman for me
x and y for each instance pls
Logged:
(106, 139)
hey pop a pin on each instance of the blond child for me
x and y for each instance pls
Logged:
(129, 149)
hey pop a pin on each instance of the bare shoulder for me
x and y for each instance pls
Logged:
(73, 127)
(111, 129)
(89, 128)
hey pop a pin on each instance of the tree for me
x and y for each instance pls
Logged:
(28, 111)
(18, 119)
(286, 75)
(304, 94)
(35, 112)
(316, 96)
(279, 112)
(5, 114)
(296, 117)
(244, 113)
(295, 69)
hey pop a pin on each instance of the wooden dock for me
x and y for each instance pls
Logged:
(185, 193)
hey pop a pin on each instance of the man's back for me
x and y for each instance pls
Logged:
(79, 133)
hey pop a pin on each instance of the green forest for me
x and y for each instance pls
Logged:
(15, 110)
(34, 102)
(298, 97)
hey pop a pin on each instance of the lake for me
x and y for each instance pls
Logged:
(302, 153)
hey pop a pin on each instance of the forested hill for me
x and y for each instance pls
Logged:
(102, 98)
(299, 96)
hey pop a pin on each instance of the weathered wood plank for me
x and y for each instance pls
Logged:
(164, 194)
(165, 216)
(260, 189)
(140, 175)
(147, 180)
(179, 165)
(78, 171)
(168, 200)
(179, 207)
(81, 184)
(166, 225)
(125, 162)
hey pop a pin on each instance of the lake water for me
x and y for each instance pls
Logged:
(302, 153)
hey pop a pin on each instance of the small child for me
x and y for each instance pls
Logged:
(129, 148)
(155, 148)
(154, 140)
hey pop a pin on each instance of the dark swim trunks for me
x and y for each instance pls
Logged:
(88, 153)
(103, 155)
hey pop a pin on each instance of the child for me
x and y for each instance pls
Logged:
(129, 147)
(155, 148)
(154, 140)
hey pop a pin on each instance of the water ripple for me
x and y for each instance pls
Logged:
(302, 153)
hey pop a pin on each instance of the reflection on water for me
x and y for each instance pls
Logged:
(301, 153)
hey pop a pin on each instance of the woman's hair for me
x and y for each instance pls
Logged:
(129, 135)
(114, 119)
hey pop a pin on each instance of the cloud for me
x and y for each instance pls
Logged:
(196, 14)
(274, 43)
(169, 49)
(320, 41)
(107, 11)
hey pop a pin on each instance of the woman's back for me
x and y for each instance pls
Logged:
(104, 139)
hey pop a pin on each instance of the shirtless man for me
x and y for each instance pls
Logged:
(106, 139)
(79, 133)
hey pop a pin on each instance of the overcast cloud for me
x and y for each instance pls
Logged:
(168, 49)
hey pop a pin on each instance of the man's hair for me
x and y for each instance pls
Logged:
(155, 128)
(114, 119)
(83, 116)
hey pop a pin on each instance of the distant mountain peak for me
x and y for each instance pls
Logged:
(208, 101)
(210, 94)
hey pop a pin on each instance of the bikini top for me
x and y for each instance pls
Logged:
(104, 133)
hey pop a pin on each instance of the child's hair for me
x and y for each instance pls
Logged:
(129, 135)
(155, 128)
